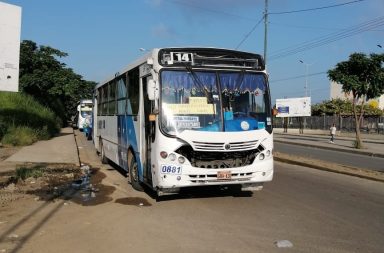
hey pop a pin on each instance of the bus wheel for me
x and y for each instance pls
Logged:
(134, 173)
(104, 159)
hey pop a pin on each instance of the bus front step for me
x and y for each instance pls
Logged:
(252, 187)
(167, 191)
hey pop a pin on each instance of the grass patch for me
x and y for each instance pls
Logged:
(23, 120)
(20, 136)
(24, 173)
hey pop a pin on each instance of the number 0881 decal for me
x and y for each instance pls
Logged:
(171, 169)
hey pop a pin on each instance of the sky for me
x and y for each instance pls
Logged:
(305, 39)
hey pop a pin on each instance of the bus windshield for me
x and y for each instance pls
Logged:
(217, 101)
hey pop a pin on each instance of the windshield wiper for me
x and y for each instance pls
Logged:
(240, 80)
(208, 94)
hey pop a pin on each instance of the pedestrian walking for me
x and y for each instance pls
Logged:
(332, 130)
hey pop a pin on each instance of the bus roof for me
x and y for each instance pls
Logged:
(86, 101)
(155, 51)
(130, 66)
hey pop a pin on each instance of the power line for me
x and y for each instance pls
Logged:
(296, 77)
(249, 34)
(314, 27)
(315, 9)
(363, 27)
(208, 10)
(312, 9)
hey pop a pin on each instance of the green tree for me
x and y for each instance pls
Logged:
(49, 81)
(363, 76)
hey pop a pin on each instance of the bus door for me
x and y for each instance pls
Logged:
(147, 133)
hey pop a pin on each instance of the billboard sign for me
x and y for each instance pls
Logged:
(293, 107)
(10, 27)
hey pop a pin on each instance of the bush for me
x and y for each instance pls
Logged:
(24, 121)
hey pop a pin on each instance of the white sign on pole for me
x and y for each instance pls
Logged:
(293, 107)
(10, 27)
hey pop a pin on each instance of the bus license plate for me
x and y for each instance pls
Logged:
(224, 175)
(171, 169)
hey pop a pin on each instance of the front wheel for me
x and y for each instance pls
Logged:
(134, 173)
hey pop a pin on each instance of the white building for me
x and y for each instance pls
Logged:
(10, 27)
(337, 92)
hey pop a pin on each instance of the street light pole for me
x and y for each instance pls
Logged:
(306, 77)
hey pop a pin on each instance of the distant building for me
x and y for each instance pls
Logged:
(337, 92)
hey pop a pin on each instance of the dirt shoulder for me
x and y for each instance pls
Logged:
(6, 152)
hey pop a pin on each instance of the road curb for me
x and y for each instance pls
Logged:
(326, 137)
(331, 167)
(356, 151)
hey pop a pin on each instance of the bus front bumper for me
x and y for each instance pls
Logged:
(250, 177)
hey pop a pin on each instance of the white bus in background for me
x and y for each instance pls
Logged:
(84, 113)
(185, 117)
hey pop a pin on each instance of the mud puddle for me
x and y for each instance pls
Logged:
(135, 201)
(88, 190)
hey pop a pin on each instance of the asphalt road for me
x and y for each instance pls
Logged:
(316, 211)
(350, 159)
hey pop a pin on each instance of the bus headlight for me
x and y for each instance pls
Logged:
(268, 153)
(181, 159)
(261, 156)
(172, 157)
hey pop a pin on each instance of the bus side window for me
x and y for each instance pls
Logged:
(133, 92)
(99, 101)
(112, 98)
(104, 109)
(121, 95)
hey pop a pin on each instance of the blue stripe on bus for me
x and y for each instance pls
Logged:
(127, 138)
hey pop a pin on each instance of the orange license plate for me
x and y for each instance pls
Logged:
(224, 175)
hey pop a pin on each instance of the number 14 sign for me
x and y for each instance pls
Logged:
(181, 57)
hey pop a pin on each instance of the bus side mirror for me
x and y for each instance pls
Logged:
(153, 92)
(78, 108)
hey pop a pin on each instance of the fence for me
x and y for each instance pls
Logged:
(370, 124)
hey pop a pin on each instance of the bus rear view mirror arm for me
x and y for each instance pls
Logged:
(153, 91)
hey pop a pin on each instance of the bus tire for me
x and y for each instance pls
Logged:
(134, 173)
(104, 159)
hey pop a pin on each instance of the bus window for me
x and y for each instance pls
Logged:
(104, 109)
(99, 101)
(112, 98)
(133, 91)
(121, 95)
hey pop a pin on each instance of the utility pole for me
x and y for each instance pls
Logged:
(265, 32)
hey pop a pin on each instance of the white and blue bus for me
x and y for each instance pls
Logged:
(185, 117)
(84, 113)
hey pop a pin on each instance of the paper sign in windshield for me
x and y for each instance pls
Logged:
(196, 105)
(187, 122)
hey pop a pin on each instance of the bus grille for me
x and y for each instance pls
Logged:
(218, 159)
(224, 146)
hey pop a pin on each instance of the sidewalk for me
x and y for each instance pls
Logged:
(373, 143)
(58, 150)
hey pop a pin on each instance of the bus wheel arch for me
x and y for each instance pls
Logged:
(133, 171)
